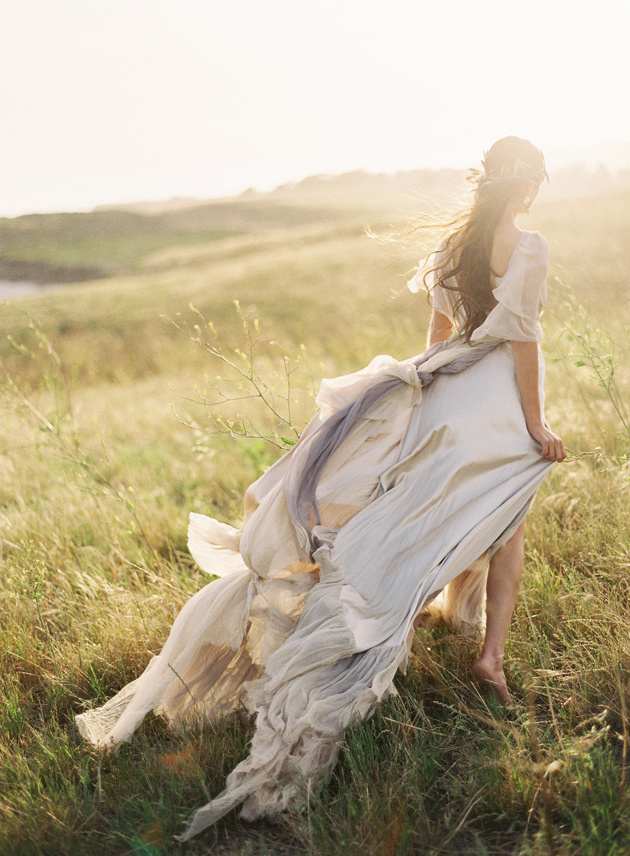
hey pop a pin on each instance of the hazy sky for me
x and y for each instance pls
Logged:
(114, 100)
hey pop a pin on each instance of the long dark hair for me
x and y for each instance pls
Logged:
(464, 266)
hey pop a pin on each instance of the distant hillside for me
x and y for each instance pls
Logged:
(405, 185)
(603, 168)
(357, 190)
(72, 247)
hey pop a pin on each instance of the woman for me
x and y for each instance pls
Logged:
(489, 241)
(409, 486)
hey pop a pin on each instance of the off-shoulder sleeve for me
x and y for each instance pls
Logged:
(439, 299)
(520, 294)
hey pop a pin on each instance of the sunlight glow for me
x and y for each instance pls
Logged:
(151, 99)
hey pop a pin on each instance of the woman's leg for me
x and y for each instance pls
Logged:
(504, 575)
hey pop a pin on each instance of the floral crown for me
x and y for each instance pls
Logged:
(519, 170)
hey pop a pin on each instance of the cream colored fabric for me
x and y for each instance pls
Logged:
(413, 503)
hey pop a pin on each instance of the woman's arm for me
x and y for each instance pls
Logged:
(526, 370)
(440, 329)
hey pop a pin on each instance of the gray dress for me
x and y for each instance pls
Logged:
(407, 479)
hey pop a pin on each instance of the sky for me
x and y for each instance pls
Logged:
(105, 101)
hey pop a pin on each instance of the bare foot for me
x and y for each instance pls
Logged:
(492, 680)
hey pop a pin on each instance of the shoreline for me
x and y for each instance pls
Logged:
(17, 289)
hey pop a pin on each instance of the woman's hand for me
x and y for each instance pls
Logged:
(552, 446)
(526, 371)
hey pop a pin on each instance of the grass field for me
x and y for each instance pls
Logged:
(104, 450)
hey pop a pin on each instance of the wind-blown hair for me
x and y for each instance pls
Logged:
(464, 266)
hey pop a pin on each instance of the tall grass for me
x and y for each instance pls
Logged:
(104, 449)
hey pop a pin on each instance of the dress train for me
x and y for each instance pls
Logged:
(408, 478)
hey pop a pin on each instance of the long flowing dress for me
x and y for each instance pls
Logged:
(401, 487)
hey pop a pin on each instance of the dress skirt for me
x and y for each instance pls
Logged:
(408, 478)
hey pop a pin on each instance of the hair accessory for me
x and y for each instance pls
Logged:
(519, 170)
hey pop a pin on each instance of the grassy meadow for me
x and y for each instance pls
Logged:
(107, 442)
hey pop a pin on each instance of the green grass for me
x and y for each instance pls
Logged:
(56, 247)
(102, 253)
(99, 467)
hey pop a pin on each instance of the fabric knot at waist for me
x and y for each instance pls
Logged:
(346, 400)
